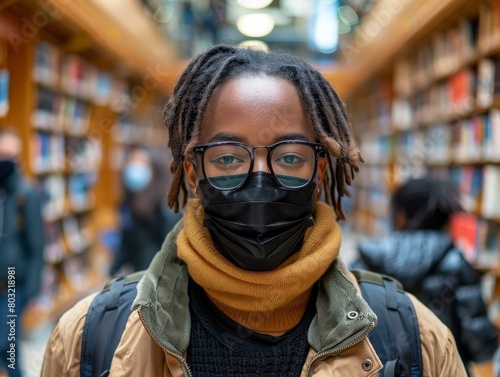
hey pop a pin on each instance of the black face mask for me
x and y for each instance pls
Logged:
(259, 225)
(6, 169)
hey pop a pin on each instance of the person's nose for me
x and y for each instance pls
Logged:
(260, 161)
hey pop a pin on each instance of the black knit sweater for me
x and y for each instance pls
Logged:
(221, 347)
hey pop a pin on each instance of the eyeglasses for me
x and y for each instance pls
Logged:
(226, 165)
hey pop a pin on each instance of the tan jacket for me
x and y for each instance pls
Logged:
(155, 339)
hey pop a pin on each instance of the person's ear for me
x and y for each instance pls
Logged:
(320, 174)
(322, 166)
(399, 220)
(190, 173)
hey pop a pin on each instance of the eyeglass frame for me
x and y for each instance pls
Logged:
(319, 150)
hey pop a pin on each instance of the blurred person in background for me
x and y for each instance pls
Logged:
(21, 249)
(145, 217)
(422, 256)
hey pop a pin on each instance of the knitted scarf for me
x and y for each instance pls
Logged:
(263, 301)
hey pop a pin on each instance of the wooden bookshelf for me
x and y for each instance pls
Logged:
(73, 73)
(424, 98)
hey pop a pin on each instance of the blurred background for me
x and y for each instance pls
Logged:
(84, 82)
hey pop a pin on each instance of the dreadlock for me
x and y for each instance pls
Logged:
(184, 111)
(427, 203)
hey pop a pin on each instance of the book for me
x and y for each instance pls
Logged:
(53, 190)
(76, 116)
(47, 64)
(4, 92)
(463, 230)
(80, 186)
(461, 88)
(48, 110)
(487, 243)
(491, 192)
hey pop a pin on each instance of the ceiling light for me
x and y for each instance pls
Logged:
(254, 4)
(255, 25)
(254, 45)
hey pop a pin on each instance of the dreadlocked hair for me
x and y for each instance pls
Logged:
(183, 114)
(427, 203)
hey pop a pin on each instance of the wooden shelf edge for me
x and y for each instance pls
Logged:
(377, 43)
(156, 61)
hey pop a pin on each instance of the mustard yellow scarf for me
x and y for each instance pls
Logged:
(268, 301)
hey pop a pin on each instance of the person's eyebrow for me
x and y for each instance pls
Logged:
(225, 137)
(292, 136)
(233, 137)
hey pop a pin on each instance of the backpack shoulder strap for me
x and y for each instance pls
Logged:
(396, 338)
(106, 319)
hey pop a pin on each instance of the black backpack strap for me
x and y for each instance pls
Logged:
(104, 324)
(396, 338)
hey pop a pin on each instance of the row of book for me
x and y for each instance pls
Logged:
(477, 138)
(448, 50)
(140, 131)
(479, 189)
(473, 88)
(472, 140)
(60, 282)
(372, 175)
(54, 152)
(73, 75)
(72, 235)
(375, 200)
(66, 195)
(479, 239)
(60, 113)
(376, 149)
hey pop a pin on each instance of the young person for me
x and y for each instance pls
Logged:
(422, 256)
(249, 283)
(145, 217)
(21, 249)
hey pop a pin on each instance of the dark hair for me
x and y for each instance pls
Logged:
(184, 112)
(9, 131)
(427, 202)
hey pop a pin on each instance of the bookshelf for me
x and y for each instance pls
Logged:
(430, 104)
(73, 89)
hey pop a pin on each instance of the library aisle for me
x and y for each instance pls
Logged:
(420, 78)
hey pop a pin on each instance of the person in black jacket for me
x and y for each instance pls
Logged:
(145, 217)
(421, 254)
(21, 249)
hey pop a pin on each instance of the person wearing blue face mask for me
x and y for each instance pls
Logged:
(21, 249)
(137, 174)
(145, 218)
(249, 283)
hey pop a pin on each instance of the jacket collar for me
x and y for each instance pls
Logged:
(162, 296)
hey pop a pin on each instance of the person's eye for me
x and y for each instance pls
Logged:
(226, 160)
(289, 159)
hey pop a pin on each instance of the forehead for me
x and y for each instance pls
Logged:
(257, 110)
(138, 156)
(10, 142)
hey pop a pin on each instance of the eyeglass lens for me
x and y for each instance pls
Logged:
(226, 166)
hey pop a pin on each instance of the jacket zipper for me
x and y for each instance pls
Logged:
(180, 358)
(337, 351)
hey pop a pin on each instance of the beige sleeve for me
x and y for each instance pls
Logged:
(62, 353)
(439, 352)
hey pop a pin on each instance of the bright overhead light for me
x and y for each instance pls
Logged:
(255, 25)
(254, 4)
(254, 45)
